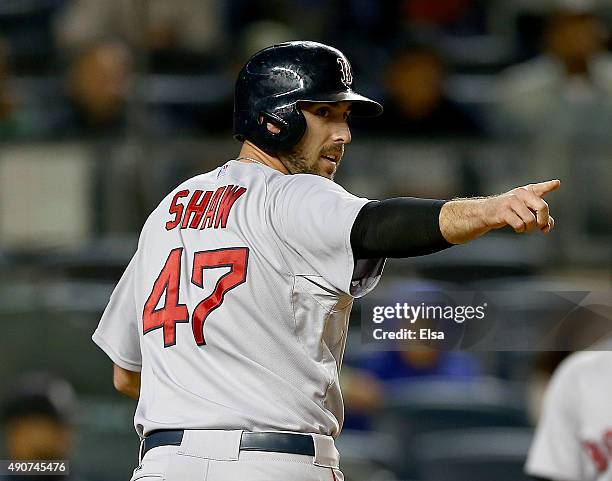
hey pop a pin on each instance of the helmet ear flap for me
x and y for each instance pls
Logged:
(266, 118)
(291, 125)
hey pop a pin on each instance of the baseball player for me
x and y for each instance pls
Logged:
(230, 321)
(573, 440)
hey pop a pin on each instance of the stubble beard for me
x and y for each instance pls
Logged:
(296, 163)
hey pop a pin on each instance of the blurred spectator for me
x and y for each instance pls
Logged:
(37, 417)
(180, 35)
(363, 387)
(417, 103)
(565, 93)
(98, 86)
(418, 363)
(363, 394)
(372, 371)
(94, 107)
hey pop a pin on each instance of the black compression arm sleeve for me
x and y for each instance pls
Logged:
(399, 227)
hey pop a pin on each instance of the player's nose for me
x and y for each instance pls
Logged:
(342, 134)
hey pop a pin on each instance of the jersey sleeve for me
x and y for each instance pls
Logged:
(556, 451)
(313, 217)
(117, 333)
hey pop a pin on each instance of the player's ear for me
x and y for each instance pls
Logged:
(273, 129)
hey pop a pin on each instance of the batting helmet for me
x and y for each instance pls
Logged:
(276, 78)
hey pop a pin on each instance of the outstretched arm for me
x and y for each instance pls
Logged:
(406, 227)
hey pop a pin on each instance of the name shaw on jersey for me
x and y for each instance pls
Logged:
(203, 210)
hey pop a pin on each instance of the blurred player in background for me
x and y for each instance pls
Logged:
(574, 437)
(573, 440)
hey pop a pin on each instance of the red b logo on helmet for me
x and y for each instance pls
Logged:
(345, 69)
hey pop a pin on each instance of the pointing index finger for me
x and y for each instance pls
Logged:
(543, 188)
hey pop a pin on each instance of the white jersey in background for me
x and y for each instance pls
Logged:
(573, 440)
(235, 306)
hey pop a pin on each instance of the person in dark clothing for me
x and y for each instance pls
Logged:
(417, 104)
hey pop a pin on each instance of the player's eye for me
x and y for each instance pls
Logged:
(322, 112)
(347, 115)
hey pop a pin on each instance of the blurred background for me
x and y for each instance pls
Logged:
(105, 106)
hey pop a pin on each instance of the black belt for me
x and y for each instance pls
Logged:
(272, 442)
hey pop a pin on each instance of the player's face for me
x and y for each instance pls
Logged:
(321, 148)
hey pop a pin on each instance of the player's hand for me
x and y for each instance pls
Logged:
(522, 208)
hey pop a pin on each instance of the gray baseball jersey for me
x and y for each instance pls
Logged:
(235, 306)
(573, 439)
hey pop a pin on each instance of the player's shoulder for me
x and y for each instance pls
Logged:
(303, 179)
(204, 179)
(304, 183)
(582, 366)
(232, 172)
(586, 360)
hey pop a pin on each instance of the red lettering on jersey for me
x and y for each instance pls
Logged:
(597, 455)
(236, 258)
(197, 207)
(231, 195)
(167, 284)
(212, 207)
(177, 209)
(172, 312)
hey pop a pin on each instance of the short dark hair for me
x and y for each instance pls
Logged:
(39, 395)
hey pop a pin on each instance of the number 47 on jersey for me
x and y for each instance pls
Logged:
(168, 282)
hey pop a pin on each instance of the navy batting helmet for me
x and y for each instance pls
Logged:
(276, 78)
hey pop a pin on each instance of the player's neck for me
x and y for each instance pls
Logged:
(251, 151)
